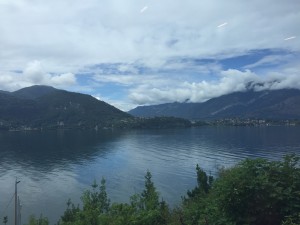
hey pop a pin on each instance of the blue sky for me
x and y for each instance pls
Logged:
(130, 52)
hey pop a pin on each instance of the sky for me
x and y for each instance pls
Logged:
(138, 52)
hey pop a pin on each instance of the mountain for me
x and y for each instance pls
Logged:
(268, 104)
(34, 92)
(4, 92)
(47, 107)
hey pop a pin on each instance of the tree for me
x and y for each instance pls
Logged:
(254, 192)
(150, 196)
(95, 203)
(152, 211)
(204, 183)
(196, 201)
(71, 214)
(257, 192)
(40, 221)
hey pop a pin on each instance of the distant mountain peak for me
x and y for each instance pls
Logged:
(43, 106)
(34, 92)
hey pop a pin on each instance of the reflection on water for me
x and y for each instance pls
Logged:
(54, 166)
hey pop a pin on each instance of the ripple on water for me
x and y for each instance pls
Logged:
(62, 165)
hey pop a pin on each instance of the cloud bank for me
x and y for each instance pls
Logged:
(34, 74)
(229, 81)
(147, 52)
(69, 34)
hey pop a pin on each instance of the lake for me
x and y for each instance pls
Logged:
(54, 166)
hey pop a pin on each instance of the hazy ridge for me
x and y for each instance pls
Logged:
(268, 104)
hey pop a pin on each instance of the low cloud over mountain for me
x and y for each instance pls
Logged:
(137, 53)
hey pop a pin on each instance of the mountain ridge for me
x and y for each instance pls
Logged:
(48, 107)
(267, 104)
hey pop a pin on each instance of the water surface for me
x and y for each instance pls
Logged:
(56, 165)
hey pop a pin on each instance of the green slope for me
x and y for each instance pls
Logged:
(47, 107)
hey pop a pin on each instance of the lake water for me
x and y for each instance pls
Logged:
(57, 165)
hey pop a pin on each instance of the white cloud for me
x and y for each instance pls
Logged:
(229, 81)
(66, 35)
(270, 60)
(286, 78)
(131, 80)
(120, 104)
(51, 41)
(128, 68)
(117, 79)
(34, 74)
(65, 79)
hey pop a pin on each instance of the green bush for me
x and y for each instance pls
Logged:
(254, 192)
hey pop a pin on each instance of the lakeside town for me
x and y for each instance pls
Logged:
(157, 123)
(254, 122)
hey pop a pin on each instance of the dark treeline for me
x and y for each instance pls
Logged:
(258, 192)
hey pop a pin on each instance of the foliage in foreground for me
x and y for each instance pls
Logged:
(38, 221)
(257, 192)
(144, 208)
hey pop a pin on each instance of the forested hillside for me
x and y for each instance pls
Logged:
(47, 107)
(268, 104)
